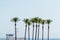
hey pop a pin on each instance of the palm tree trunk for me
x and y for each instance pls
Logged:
(36, 32)
(33, 32)
(15, 32)
(42, 32)
(48, 31)
(25, 32)
(28, 33)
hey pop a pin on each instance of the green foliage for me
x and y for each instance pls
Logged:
(15, 19)
(27, 21)
(36, 19)
(48, 21)
(39, 20)
(32, 20)
(43, 21)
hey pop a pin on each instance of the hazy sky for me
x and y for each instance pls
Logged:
(46, 9)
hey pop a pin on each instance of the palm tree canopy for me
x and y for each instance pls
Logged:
(36, 19)
(43, 21)
(27, 21)
(32, 20)
(48, 21)
(15, 19)
(39, 20)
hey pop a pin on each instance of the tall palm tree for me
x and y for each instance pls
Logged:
(15, 20)
(43, 22)
(32, 20)
(29, 30)
(36, 21)
(39, 21)
(27, 22)
(48, 22)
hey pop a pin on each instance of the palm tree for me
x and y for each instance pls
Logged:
(43, 22)
(29, 30)
(27, 22)
(15, 19)
(32, 20)
(39, 21)
(36, 21)
(48, 22)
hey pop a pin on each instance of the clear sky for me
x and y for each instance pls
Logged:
(46, 9)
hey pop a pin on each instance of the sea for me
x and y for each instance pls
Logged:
(27, 39)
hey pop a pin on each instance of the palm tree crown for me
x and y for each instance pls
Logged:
(27, 21)
(32, 20)
(39, 20)
(15, 19)
(43, 22)
(36, 19)
(48, 21)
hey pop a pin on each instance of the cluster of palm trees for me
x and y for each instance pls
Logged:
(36, 21)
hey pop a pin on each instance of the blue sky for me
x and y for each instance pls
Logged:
(46, 9)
